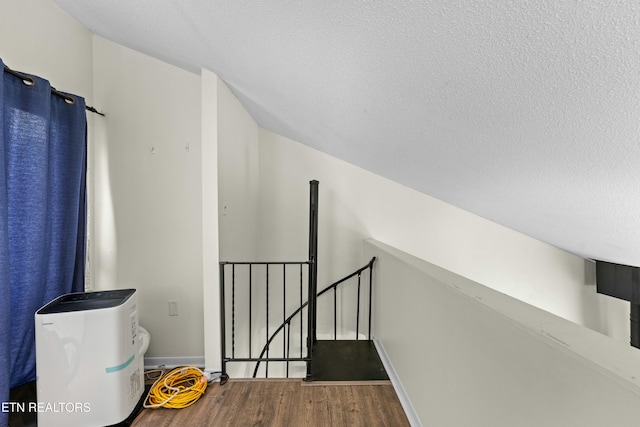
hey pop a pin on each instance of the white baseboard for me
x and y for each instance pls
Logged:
(397, 385)
(173, 362)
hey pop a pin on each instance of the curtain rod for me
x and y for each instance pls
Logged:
(29, 81)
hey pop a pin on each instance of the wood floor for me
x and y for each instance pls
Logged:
(284, 403)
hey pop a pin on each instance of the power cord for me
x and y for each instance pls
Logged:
(178, 388)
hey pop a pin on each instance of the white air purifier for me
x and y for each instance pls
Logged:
(89, 359)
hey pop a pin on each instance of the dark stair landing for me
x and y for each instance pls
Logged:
(347, 360)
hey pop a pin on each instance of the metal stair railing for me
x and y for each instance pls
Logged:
(229, 289)
(334, 286)
(311, 304)
(229, 354)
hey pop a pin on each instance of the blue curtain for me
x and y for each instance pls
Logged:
(42, 214)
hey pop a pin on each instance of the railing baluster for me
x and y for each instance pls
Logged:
(250, 308)
(370, 299)
(266, 366)
(288, 345)
(301, 315)
(358, 310)
(223, 330)
(284, 300)
(233, 311)
(335, 314)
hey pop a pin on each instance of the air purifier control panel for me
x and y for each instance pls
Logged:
(82, 301)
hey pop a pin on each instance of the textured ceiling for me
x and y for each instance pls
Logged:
(523, 112)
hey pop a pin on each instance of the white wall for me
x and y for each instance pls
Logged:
(238, 178)
(39, 38)
(148, 193)
(467, 355)
(286, 167)
(356, 204)
(230, 198)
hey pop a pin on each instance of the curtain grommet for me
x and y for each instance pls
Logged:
(28, 81)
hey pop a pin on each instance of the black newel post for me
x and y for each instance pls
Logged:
(313, 272)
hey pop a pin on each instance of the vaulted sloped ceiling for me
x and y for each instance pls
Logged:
(523, 112)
